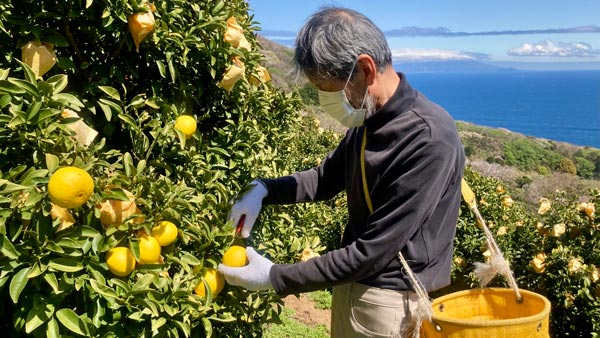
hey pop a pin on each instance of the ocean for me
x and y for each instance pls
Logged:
(557, 105)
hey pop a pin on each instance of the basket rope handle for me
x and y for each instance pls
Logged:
(498, 264)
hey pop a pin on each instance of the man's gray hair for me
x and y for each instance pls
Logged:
(331, 40)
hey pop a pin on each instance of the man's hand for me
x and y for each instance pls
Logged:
(248, 202)
(254, 276)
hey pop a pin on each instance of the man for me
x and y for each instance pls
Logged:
(401, 165)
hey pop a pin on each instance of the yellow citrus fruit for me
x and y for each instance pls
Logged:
(120, 261)
(235, 256)
(70, 187)
(165, 233)
(149, 249)
(186, 124)
(214, 279)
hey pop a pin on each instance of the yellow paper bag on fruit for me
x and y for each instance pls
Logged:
(233, 74)
(39, 56)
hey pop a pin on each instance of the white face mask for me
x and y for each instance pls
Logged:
(336, 104)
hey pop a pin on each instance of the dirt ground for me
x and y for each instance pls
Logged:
(306, 312)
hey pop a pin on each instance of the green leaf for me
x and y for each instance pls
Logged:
(207, 326)
(58, 83)
(161, 68)
(68, 100)
(172, 70)
(144, 282)
(7, 248)
(99, 312)
(17, 284)
(128, 164)
(219, 150)
(152, 103)
(141, 166)
(27, 86)
(4, 73)
(110, 91)
(52, 329)
(36, 269)
(34, 108)
(7, 87)
(11, 187)
(52, 162)
(106, 109)
(295, 244)
(29, 74)
(113, 105)
(185, 328)
(46, 113)
(50, 278)
(218, 7)
(33, 176)
(5, 100)
(38, 315)
(137, 101)
(129, 120)
(115, 194)
(71, 321)
(79, 231)
(65, 264)
(158, 323)
(190, 259)
(102, 289)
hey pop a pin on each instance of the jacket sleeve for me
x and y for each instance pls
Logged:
(317, 184)
(403, 201)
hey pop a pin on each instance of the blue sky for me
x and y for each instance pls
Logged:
(514, 30)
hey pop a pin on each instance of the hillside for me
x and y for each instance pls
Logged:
(531, 167)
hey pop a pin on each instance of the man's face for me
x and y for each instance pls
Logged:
(355, 89)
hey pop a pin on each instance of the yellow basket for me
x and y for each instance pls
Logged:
(488, 313)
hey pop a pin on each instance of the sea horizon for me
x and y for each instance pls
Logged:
(558, 105)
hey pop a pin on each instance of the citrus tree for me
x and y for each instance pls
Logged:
(126, 128)
(553, 250)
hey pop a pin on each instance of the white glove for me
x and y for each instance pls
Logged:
(254, 276)
(248, 202)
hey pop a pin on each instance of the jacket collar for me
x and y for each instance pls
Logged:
(402, 100)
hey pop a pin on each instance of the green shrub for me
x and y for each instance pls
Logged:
(566, 235)
(566, 165)
(585, 168)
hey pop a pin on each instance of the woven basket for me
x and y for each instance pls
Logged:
(488, 313)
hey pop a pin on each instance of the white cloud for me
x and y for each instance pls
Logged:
(418, 54)
(557, 49)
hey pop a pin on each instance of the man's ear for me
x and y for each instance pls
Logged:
(367, 64)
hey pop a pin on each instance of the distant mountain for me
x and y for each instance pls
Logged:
(450, 66)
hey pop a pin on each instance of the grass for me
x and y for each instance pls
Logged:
(321, 298)
(290, 328)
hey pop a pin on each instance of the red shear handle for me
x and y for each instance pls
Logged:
(240, 225)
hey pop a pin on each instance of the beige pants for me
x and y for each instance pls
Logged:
(358, 310)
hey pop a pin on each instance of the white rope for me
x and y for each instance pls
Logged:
(424, 309)
(497, 264)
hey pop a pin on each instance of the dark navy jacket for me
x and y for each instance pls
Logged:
(413, 163)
